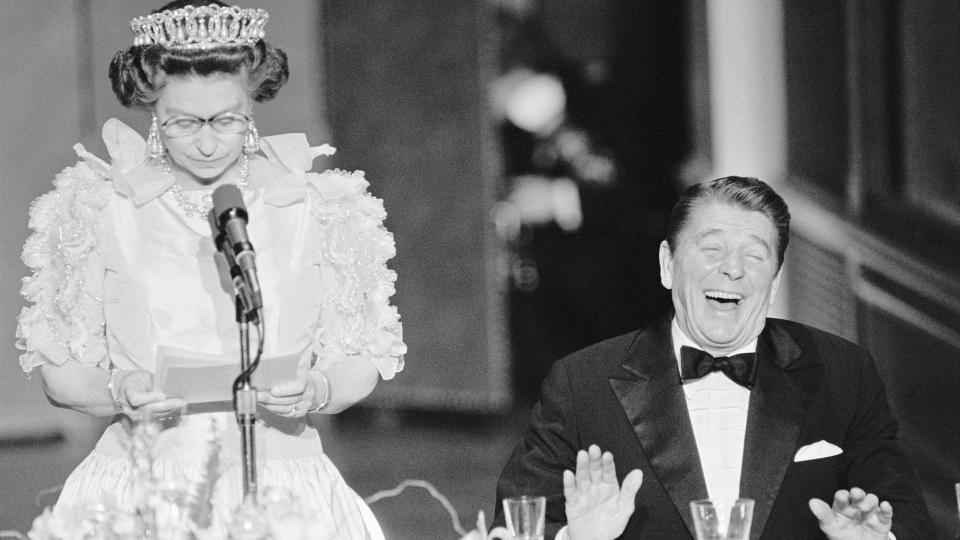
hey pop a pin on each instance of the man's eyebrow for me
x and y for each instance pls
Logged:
(759, 239)
(707, 233)
(762, 241)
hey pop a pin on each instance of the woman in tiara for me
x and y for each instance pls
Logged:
(123, 267)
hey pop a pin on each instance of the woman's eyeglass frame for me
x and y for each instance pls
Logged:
(198, 124)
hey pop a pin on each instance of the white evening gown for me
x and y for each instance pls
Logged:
(120, 270)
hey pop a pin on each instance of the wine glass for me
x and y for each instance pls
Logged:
(956, 488)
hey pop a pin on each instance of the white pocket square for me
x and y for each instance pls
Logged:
(817, 450)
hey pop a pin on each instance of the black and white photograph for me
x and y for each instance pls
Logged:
(480, 270)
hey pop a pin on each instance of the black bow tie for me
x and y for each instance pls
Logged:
(739, 368)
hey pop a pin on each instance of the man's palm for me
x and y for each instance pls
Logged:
(855, 515)
(596, 505)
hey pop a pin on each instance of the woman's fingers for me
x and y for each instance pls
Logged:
(138, 399)
(291, 399)
(295, 388)
(269, 400)
(164, 406)
(286, 409)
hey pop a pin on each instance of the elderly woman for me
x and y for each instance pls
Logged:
(123, 268)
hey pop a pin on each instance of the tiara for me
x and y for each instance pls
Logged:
(200, 27)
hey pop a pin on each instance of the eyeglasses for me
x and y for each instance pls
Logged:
(228, 122)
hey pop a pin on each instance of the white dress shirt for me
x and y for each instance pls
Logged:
(718, 412)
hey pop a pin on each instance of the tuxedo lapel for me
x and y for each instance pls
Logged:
(778, 404)
(652, 398)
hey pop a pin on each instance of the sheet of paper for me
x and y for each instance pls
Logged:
(201, 378)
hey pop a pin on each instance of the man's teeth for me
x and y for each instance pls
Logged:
(725, 297)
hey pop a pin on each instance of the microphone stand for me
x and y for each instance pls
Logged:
(247, 303)
(245, 404)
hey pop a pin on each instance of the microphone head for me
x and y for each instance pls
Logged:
(228, 203)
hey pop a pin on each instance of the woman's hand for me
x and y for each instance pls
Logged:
(295, 398)
(137, 396)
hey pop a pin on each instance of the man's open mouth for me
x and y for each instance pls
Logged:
(724, 298)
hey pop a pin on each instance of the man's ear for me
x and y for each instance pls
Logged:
(775, 285)
(666, 265)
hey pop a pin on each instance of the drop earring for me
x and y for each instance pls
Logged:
(251, 142)
(155, 149)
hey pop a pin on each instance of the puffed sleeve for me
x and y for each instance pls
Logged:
(63, 318)
(354, 247)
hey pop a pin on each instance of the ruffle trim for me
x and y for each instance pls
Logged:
(357, 245)
(358, 320)
(67, 227)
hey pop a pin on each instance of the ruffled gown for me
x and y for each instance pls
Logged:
(119, 270)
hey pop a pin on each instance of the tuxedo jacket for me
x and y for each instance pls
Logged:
(625, 395)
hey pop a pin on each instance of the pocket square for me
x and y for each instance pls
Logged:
(817, 450)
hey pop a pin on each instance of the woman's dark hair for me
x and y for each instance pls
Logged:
(139, 72)
(747, 193)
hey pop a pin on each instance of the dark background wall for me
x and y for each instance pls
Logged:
(407, 103)
(874, 152)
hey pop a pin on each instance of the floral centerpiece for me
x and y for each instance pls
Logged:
(165, 510)
(162, 510)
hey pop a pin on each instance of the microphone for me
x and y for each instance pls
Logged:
(229, 215)
(231, 280)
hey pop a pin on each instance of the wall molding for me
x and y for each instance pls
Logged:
(881, 299)
(868, 253)
(830, 231)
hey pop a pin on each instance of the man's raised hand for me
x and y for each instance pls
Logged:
(598, 508)
(855, 515)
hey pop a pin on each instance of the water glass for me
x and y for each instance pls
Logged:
(525, 516)
(722, 520)
(956, 488)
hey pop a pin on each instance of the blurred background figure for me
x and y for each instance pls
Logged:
(593, 131)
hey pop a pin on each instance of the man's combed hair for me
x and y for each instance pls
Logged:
(745, 192)
(139, 72)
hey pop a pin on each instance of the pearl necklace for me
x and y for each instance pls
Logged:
(202, 208)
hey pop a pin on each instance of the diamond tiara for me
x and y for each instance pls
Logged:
(200, 27)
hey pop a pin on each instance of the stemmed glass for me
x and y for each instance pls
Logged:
(722, 520)
(956, 488)
(525, 516)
